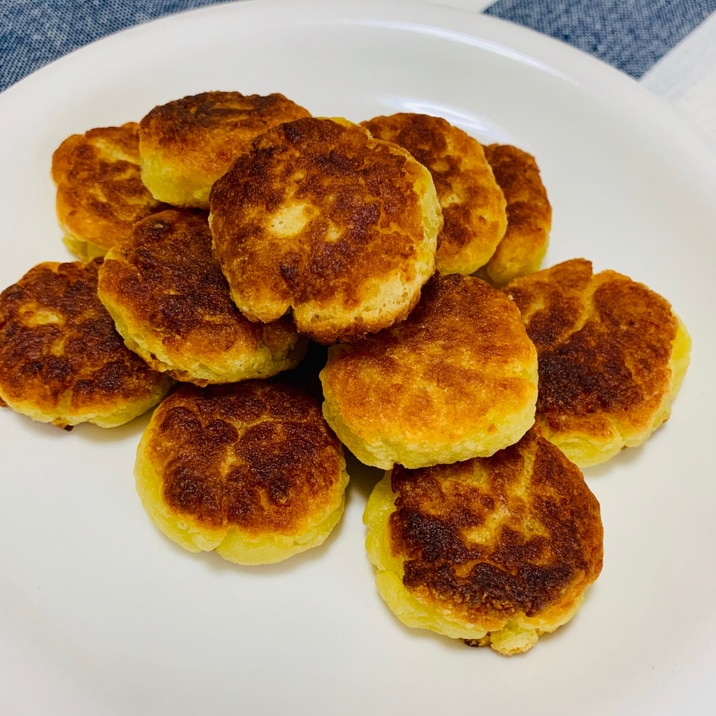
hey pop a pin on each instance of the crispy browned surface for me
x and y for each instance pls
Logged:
(456, 379)
(100, 193)
(198, 136)
(472, 202)
(320, 218)
(529, 214)
(491, 538)
(604, 343)
(59, 352)
(256, 455)
(166, 290)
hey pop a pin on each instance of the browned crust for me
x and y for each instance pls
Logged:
(514, 534)
(100, 194)
(473, 204)
(168, 286)
(361, 219)
(256, 455)
(59, 350)
(459, 371)
(203, 133)
(529, 213)
(604, 343)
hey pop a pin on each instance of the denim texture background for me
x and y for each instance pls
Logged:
(629, 34)
(35, 32)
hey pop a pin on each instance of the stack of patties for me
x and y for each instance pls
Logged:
(499, 550)
(321, 232)
(497, 215)
(241, 233)
(208, 303)
(104, 341)
(480, 530)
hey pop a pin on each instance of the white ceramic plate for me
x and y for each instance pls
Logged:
(99, 613)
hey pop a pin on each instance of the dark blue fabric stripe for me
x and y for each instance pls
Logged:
(632, 35)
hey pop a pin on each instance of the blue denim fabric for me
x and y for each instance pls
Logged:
(629, 34)
(35, 32)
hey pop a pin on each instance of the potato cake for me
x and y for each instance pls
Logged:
(249, 470)
(472, 202)
(496, 551)
(170, 301)
(612, 356)
(321, 220)
(100, 193)
(61, 359)
(457, 379)
(188, 143)
(529, 215)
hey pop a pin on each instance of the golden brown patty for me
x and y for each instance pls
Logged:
(249, 470)
(472, 202)
(457, 379)
(321, 219)
(100, 193)
(188, 143)
(492, 550)
(529, 214)
(171, 303)
(612, 355)
(61, 359)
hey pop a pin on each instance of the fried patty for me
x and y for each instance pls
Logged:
(248, 469)
(472, 202)
(171, 303)
(529, 214)
(457, 379)
(100, 193)
(496, 551)
(61, 359)
(612, 356)
(321, 220)
(188, 143)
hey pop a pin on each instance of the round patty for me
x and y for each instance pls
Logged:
(188, 143)
(495, 551)
(321, 220)
(100, 193)
(457, 379)
(248, 469)
(472, 202)
(612, 356)
(61, 359)
(171, 303)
